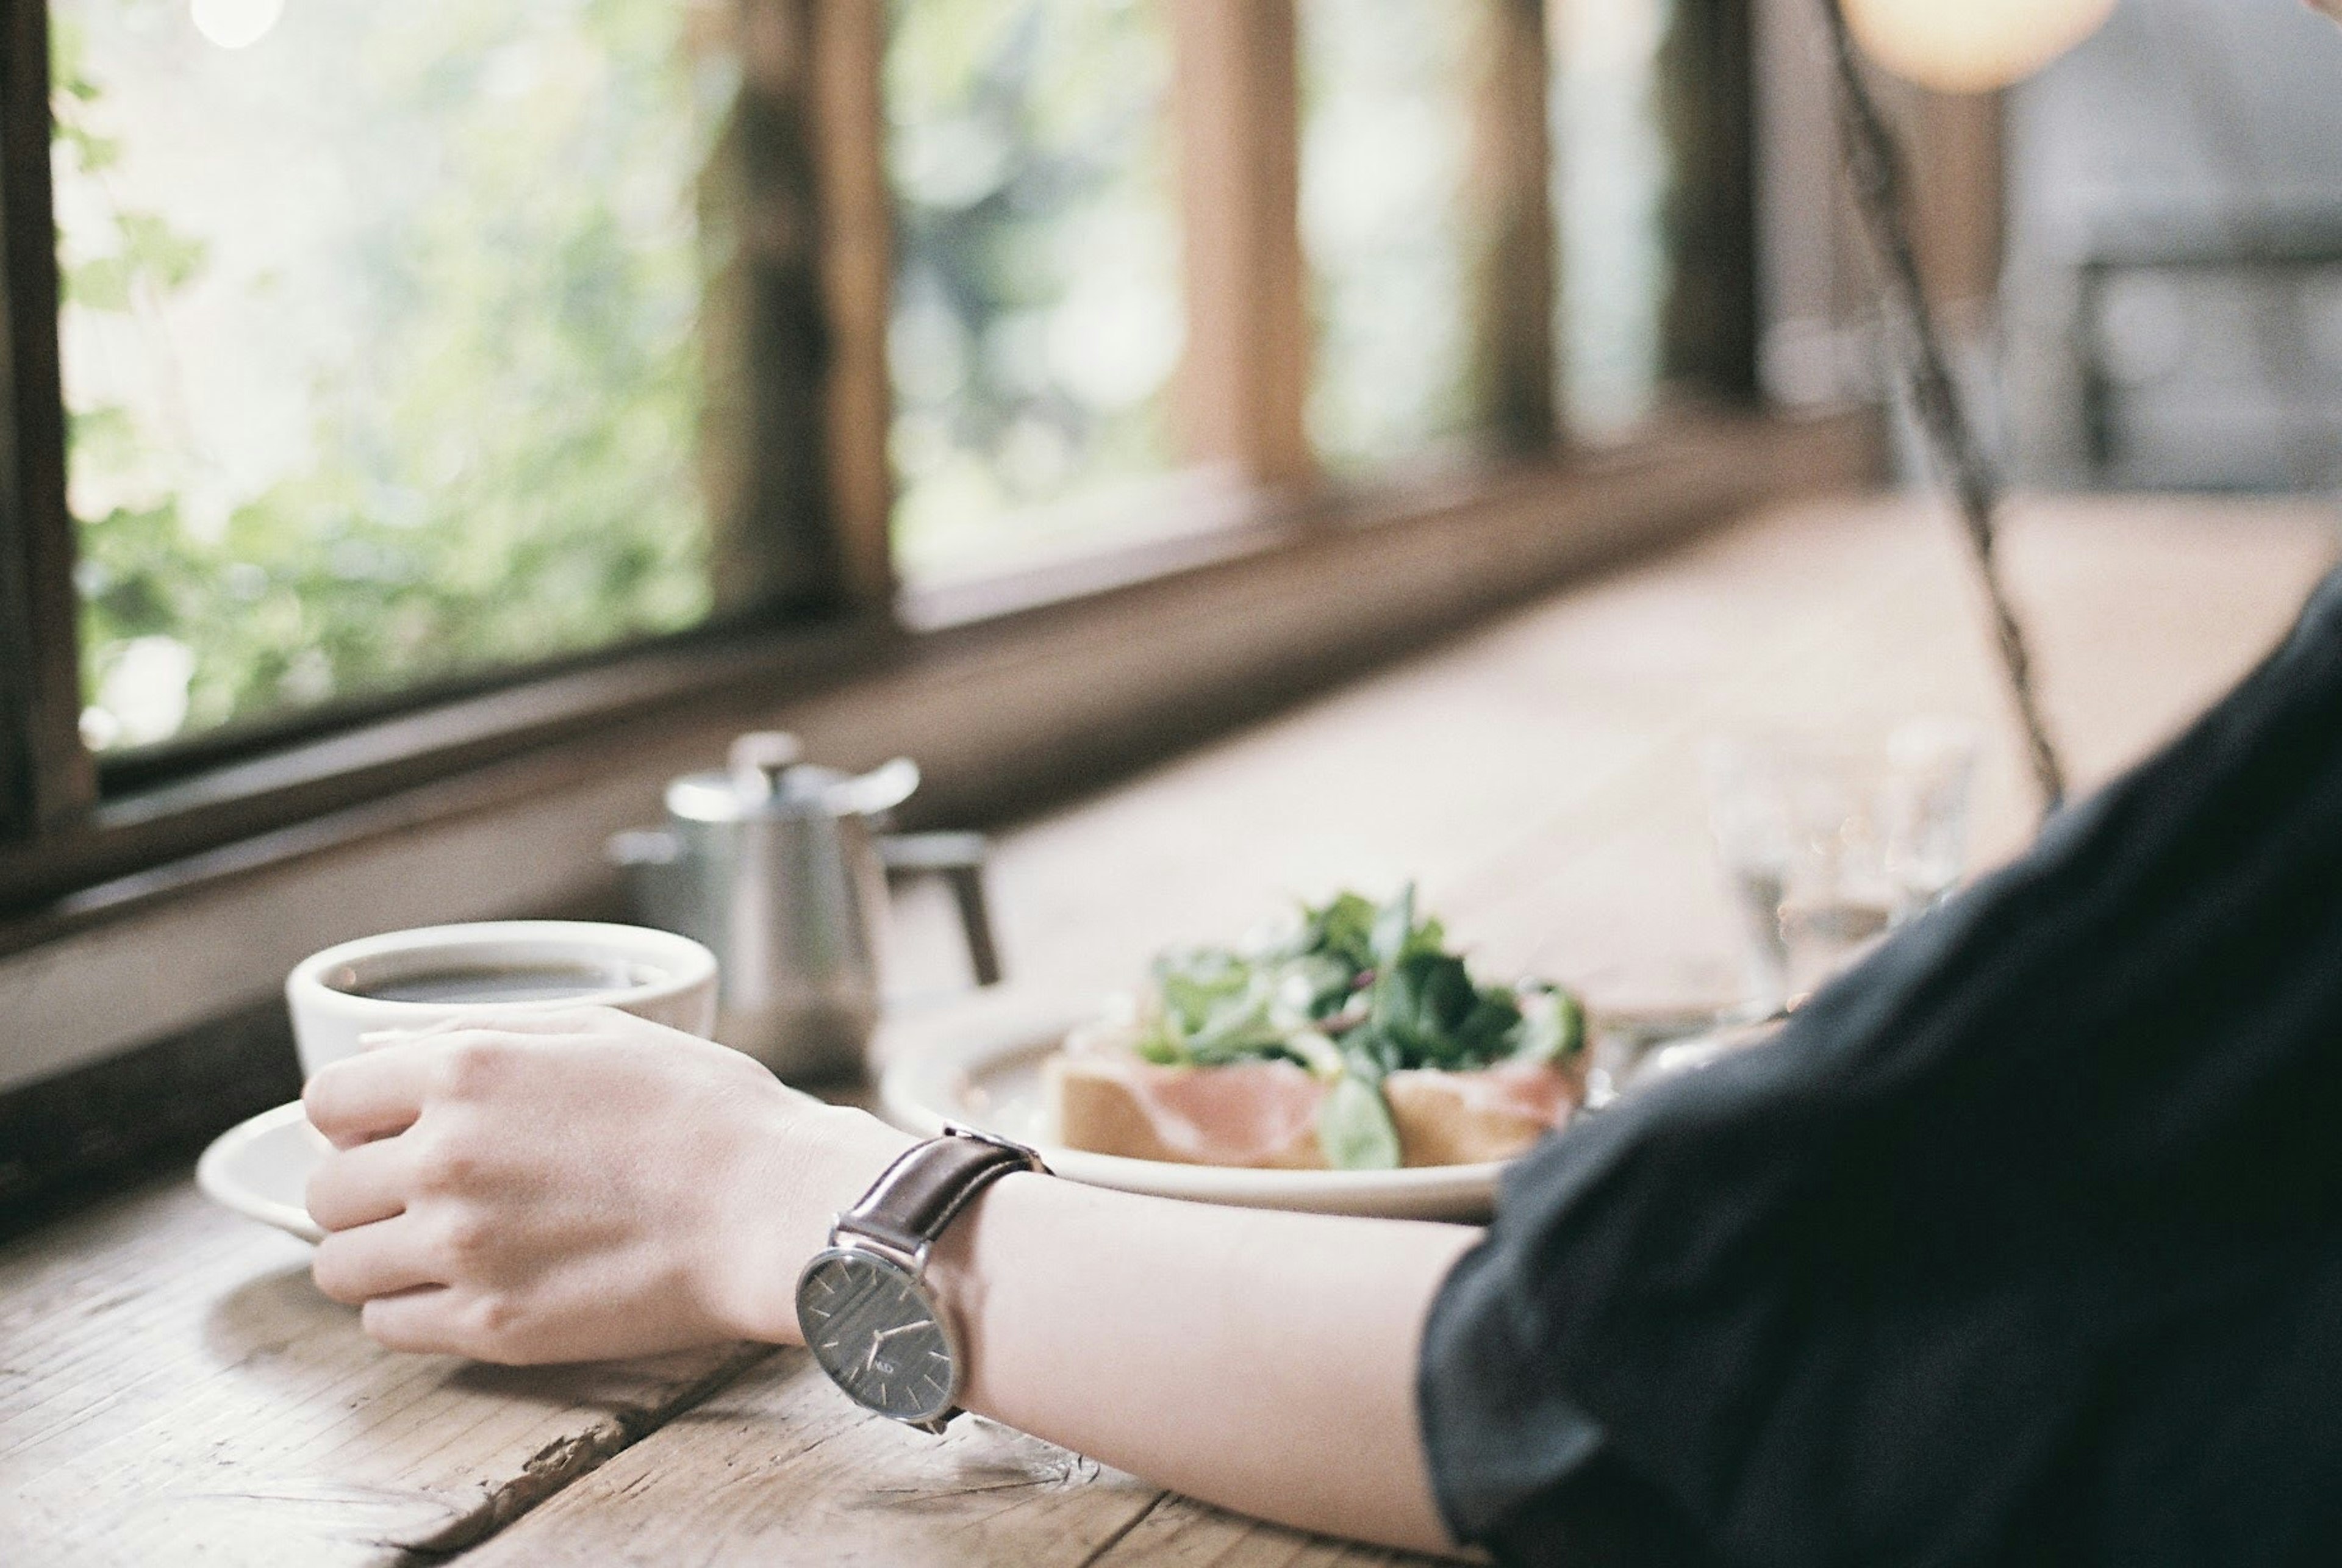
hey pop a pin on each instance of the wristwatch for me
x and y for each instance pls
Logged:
(869, 1317)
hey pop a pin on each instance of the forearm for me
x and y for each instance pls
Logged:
(1263, 1361)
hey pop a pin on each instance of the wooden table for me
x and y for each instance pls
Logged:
(172, 1390)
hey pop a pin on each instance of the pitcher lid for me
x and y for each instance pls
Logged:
(765, 778)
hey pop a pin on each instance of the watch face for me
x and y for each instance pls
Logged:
(876, 1333)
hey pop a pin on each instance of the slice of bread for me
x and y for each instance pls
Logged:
(1110, 1104)
(1455, 1119)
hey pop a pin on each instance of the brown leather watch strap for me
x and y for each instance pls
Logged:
(929, 1184)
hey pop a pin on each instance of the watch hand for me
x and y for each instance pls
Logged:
(870, 1360)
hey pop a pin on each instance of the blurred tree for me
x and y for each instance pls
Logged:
(1387, 92)
(499, 464)
(1037, 309)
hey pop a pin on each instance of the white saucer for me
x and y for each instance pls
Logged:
(260, 1169)
(989, 1078)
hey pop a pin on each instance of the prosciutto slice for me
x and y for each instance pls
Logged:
(1245, 1114)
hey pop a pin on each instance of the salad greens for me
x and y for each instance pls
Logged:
(1359, 991)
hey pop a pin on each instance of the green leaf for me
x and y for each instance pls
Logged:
(103, 435)
(1195, 982)
(95, 154)
(1320, 1056)
(170, 258)
(1160, 1048)
(100, 284)
(1369, 1055)
(1342, 931)
(1314, 985)
(1393, 928)
(1552, 1026)
(1421, 1001)
(1354, 1127)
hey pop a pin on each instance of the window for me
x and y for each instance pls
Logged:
(365, 359)
(1389, 90)
(379, 336)
(1609, 182)
(1038, 314)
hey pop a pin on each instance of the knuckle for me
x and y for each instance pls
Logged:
(470, 1066)
(446, 1163)
(466, 1236)
(492, 1322)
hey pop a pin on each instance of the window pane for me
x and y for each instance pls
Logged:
(378, 336)
(1609, 191)
(1037, 313)
(1387, 105)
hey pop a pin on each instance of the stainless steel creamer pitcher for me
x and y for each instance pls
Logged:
(775, 864)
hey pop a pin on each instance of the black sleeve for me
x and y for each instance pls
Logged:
(2019, 1245)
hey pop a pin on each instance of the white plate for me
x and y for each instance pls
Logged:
(260, 1169)
(990, 1079)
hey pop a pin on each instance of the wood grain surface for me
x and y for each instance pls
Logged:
(172, 1390)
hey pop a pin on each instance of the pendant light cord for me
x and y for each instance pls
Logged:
(1874, 164)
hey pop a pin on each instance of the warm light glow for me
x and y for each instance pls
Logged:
(232, 23)
(1971, 45)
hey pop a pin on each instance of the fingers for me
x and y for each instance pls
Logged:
(422, 1319)
(379, 1093)
(383, 1259)
(453, 1321)
(362, 1185)
(374, 1095)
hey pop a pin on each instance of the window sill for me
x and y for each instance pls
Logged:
(1011, 694)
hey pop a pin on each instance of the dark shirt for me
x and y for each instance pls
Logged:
(2021, 1244)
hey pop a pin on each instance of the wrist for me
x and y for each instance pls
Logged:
(812, 1167)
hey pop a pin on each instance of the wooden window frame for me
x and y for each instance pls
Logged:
(46, 779)
(84, 844)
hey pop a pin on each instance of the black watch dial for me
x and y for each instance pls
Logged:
(876, 1333)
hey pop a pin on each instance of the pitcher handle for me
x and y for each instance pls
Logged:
(958, 858)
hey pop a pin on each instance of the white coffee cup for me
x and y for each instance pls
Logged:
(414, 979)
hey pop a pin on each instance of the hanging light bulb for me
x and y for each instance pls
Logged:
(1971, 45)
(236, 23)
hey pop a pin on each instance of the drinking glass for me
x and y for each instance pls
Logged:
(1827, 841)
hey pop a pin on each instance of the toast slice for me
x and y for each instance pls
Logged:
(1465, 1118)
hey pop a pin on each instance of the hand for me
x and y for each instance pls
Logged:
(573, 1186)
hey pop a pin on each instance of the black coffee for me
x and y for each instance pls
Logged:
(505, 983)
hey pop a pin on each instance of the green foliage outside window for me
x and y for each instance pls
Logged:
(1609, 190)
(467, 312)
(1388, 89)
(1038, 313)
